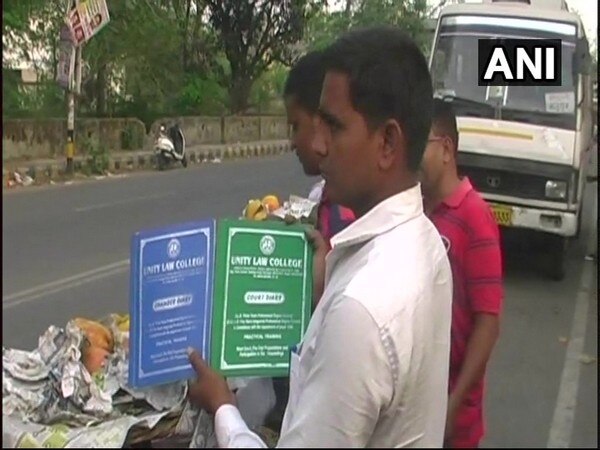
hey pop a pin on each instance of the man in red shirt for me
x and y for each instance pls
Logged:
(471, 236)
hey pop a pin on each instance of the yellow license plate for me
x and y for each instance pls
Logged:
(503, 215)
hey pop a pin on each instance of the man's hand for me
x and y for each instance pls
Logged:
(210, 390)
(317, 241)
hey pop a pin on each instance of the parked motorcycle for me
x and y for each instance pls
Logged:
(169, 147)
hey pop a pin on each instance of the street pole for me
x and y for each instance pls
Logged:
(73, 89)
(70, 132)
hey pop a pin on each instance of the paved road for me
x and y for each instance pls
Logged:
(65, 252)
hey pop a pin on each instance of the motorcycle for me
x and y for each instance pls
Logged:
(169, 147)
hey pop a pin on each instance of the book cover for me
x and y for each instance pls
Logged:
(172, 272)
(263, 296)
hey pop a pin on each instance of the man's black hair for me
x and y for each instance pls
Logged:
(389, 79)
(305, 80)
(444, 120)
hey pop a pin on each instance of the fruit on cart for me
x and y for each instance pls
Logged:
(96, 333)
(255, 210)
(271, 202)
(93, 357)
(121, 321)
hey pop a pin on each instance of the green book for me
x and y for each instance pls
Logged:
(262, 296)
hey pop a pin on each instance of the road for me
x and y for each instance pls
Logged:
(66, 248)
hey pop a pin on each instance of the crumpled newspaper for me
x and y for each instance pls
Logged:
(50, 400)
(18, 179)
(204, 432)
(297, 209)
(107, 434)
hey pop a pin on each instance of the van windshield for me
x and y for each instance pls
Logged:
(455, 71)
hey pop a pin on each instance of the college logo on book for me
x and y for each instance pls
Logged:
(520, 62)
(174, 248)
(267, 245)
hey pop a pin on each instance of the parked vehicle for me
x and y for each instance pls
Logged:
(169, 147)
(525, 148)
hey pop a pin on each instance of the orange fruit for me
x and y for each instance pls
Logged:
(271, 202)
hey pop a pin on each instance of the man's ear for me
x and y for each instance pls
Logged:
(449, 152)
(392, 144)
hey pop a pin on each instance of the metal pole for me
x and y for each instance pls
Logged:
(70, 148)
(70, 132)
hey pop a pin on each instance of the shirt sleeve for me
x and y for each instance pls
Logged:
(346, 386)
(483, 266)
(232, 431)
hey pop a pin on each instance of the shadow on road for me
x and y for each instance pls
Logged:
(528, 255)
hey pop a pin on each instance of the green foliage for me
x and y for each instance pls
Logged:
(202, 95)
(97, 156)
(253, 35)
(325, 27)
(159, 58)
(409, 15)
(16, 14)
(131, 138)
(268, 88)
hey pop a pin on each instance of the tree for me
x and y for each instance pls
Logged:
(30, 34)
(16, 14)
(254, 34)
(324, 27)
(160, 58)
(408, 15)
(129, 56)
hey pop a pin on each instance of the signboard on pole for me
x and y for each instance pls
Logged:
(66, 59)
(86, 19)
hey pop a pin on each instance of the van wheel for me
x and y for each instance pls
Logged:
(578, 231)
(556, 258)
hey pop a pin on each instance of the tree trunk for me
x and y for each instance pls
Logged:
(54, 59)
(185, 38)
(101, 91)
(239, 93)
(348, 10)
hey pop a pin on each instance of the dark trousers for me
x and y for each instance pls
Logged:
(281, 386)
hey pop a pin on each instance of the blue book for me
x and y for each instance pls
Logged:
(171, 301)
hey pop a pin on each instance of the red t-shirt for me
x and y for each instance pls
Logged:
(472, 239)
(331, 218)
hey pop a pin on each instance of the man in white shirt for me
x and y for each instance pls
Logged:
(372, 370)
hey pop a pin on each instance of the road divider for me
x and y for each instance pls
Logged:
(42, 171)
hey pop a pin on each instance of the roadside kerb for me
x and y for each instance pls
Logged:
(47, 170)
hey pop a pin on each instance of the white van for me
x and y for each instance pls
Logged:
(525, 148)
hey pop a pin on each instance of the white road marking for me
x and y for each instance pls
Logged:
(28, 295)
(123, 201)
(561, 429)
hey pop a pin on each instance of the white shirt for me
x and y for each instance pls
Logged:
(316, 192)
(372, 370)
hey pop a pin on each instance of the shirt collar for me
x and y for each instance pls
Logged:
(385, 216)
(456, 198)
